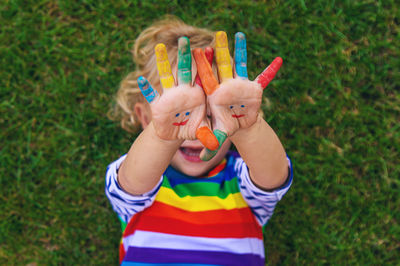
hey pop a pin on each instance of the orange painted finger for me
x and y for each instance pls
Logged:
(207, 154)
(222, 56)
(209, 52)
(207, 77)
(207, 138)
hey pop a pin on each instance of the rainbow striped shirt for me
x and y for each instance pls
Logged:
(216, 220)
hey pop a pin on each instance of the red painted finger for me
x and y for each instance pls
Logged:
(209, 52)
(204, 69)
(269, 73)
(207, 138)
(197, 80)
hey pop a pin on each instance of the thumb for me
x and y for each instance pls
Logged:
(206, 137)
(207, 154)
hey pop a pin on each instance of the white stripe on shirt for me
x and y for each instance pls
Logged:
(161, 240)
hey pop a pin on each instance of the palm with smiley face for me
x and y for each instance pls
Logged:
(235, 102)
(180, 111)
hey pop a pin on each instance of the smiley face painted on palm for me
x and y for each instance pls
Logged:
(236, 104)
(184, 117)
(178, 113)
(235, 109)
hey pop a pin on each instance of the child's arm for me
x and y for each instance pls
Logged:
(234, 106)
(146, 161)
(263, 153)
(178, 114)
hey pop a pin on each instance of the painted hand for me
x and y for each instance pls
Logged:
(180, 111)
(235, 101)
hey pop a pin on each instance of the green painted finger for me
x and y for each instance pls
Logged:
(184, 61)
(207, 154)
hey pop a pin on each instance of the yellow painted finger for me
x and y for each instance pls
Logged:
(163, 66)
(222, 56)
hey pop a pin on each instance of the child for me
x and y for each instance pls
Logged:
(178, 202)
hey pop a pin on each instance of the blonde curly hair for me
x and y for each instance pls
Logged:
(167, 31)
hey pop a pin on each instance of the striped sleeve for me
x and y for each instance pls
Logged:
(261, 202)
(123, 203)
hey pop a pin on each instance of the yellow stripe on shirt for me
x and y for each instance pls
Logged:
(200, 203)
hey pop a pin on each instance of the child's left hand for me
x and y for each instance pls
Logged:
(234, 104)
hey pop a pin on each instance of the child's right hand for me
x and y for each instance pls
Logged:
(180, 111)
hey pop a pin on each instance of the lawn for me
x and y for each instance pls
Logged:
(335, 104)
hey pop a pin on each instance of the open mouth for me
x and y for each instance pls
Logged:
(237, 116)
(191, 154)
(180, 123)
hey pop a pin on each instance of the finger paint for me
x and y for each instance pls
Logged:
(184, 61)
(207, 154)
(204, 70)
(269, 73)
(163, 66)
(209, 53)
(222, 56)
(241, 55)
(147, 90)
(197, 80)
(207, 138)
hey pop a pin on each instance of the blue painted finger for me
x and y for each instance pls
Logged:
(147, 90)
(241, 55)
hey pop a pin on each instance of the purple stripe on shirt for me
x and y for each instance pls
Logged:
(158, 255)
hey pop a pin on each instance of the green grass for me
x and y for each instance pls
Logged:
(335, 106)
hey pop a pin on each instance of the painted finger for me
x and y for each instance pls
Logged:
(222, 56)
(207, 154)
(204, 70)
(240, 55)
(269, 73)
(184, 61)
(207, 138)
(147, 90)
(163, 66)
(197, 80)
(209, 52)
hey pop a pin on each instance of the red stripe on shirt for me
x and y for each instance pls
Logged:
(240, 215)
(162, 211)
(177, 227)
